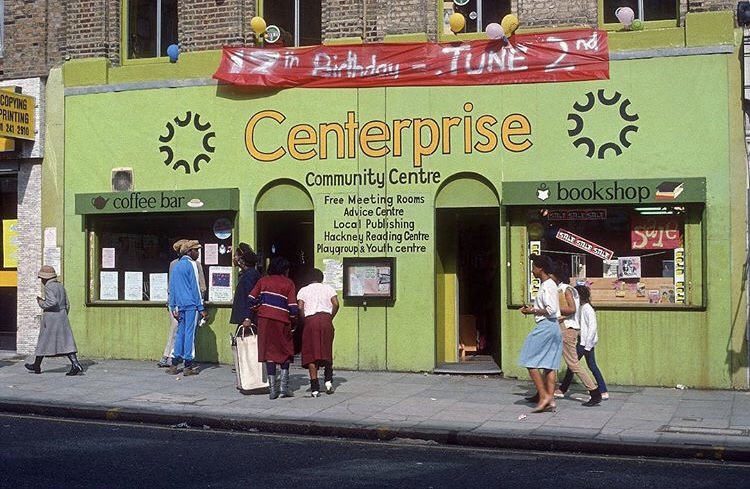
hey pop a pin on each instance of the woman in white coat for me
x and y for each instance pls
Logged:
(55, 334)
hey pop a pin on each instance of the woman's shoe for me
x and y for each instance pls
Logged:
(33, 368)
(74, 370)
(548, 408)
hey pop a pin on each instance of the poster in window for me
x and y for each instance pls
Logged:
(133, 286)
(655, 232)
(369, 278)
(609, 268)
(158, 286)
(108, 283)
(10, 243)
(629, 267)
(220, 284)
(108, 258)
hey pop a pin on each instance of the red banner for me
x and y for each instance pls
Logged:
(527, 58)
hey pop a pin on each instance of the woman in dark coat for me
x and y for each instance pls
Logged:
(274, 298)
(246, 261)
(55, 334)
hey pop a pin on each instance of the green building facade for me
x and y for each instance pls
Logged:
(147, 154)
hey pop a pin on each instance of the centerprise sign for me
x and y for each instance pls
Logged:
(574, 55)
(16, 115)
(483, 133)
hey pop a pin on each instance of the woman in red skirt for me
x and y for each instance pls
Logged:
(275, 302)
(318, 304)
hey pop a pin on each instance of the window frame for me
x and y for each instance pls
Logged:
(2, 28)
(125, 34)
(694, 244)
(92, 228)
(647, 25)
(261, 9)
(474, 35)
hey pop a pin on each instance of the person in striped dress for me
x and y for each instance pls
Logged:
(274, 299)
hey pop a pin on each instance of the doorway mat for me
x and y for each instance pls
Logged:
(474, 365)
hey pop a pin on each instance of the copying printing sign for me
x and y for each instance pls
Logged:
(16, 115)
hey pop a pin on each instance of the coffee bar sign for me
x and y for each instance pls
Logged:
(158, 201)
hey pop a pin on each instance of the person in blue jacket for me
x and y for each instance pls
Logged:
(186, 304)
(246, 260)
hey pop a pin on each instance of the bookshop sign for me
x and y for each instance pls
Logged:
(663, 191)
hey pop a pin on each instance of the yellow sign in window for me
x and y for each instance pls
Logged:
(16, 115)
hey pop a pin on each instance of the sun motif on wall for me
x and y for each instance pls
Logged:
(190, 164)
(605, 142)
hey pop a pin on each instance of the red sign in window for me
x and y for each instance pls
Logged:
(655, 232)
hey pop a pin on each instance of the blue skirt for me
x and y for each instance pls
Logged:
(543, 346)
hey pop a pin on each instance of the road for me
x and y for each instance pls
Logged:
(42, 452)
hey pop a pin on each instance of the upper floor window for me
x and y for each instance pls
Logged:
(151, 27)
(2, 28)
(478, 13)
(298, 20)
(645, 10)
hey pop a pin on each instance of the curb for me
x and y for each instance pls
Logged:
(387, 433)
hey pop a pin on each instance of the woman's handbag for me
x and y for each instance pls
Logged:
(251, 375)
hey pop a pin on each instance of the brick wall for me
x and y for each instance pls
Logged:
(29, 254)
(92, 26)
(534, 13)
(31, 48)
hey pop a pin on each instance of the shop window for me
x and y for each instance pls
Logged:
(646, 10)
(648, 255)
(478, 13)
(151, 27)
(129, 255)
(9, 221)
(298, 20)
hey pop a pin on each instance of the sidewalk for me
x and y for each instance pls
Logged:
(464, 410)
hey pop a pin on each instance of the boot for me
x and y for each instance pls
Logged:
(273, 391)
(35, 367)
(596, 398)
(75, 366)
(284, 391)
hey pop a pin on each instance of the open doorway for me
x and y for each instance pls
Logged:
(289, 234)
(468, 268)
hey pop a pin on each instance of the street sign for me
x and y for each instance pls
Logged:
(16, 115)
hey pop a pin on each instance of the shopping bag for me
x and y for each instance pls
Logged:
(250, 375)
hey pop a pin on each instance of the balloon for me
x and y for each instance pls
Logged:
(258, 25)
(637, 25)
(625, 15)
(457, 22)
(495, 31)
(173, 51)
(509, 24)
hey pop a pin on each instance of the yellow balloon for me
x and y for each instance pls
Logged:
(457, 22)
(510, 24)
(258, 25)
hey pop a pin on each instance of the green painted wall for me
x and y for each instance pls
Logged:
(690, 125)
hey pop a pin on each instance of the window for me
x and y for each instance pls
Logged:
(298, 20)
(151, 27)
(627, 255)
(129, 254)
(478, 13)
(646, 10)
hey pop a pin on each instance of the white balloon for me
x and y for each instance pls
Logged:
(625, 15)
(494, 31)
